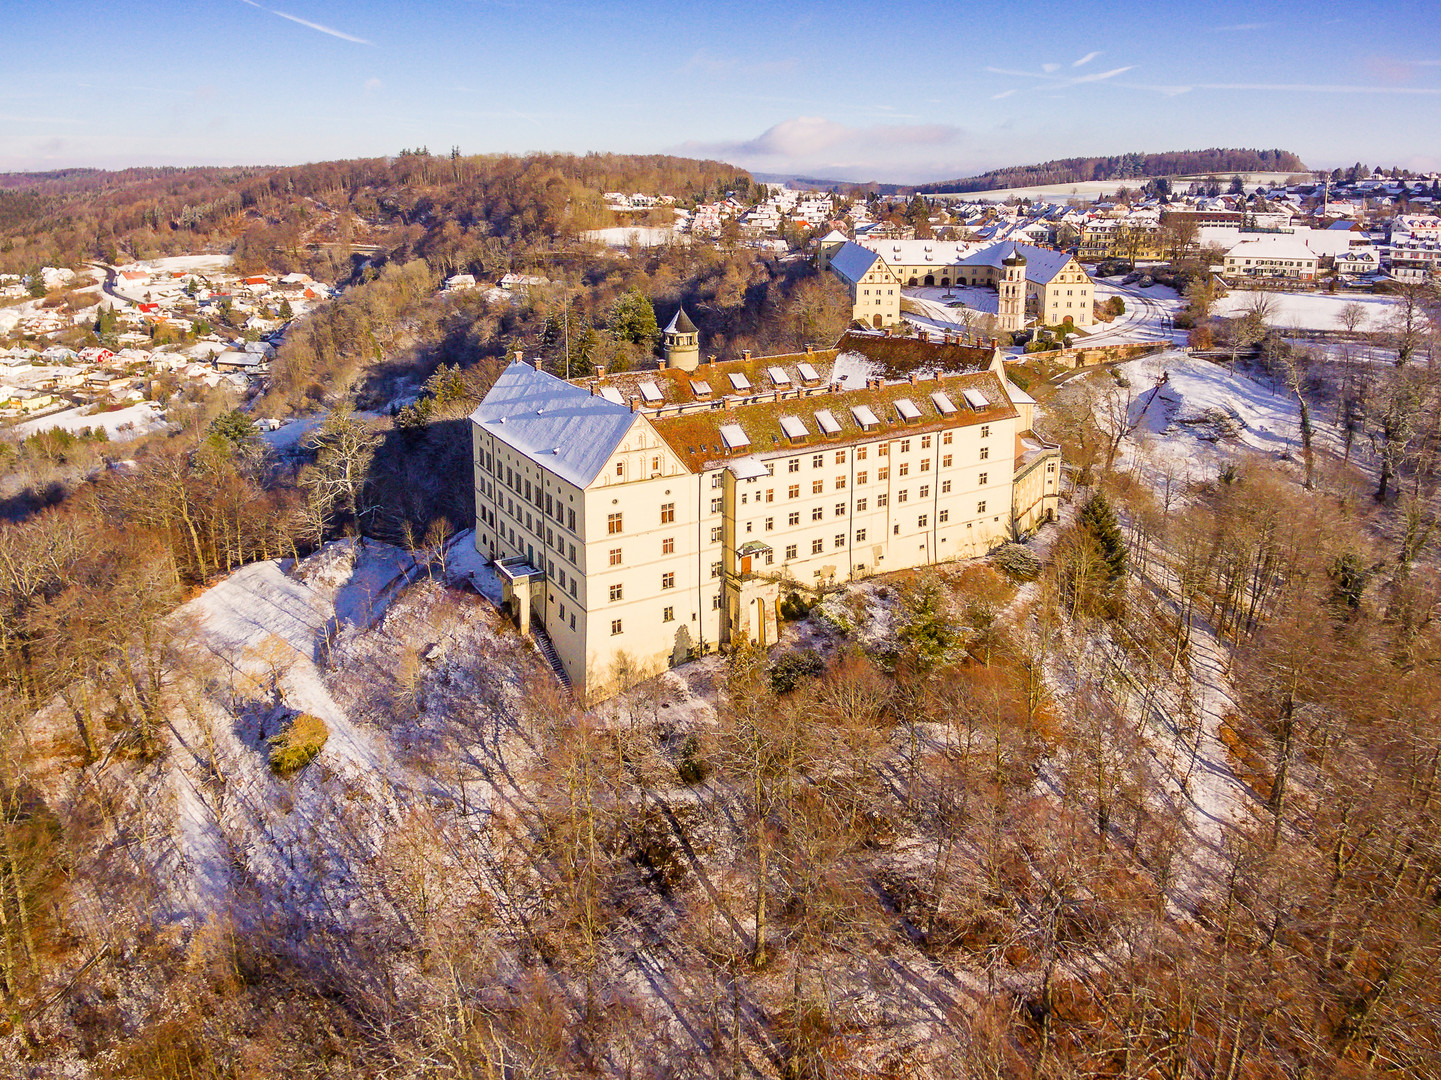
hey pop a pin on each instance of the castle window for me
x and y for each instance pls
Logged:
(667, 546)
(667, 513)
(667, 581)
(793, 518)
(615, 627)
(790, 551)
(667, 614)
(615, 556)
(613, 523)
(817, 546)
(617, 592)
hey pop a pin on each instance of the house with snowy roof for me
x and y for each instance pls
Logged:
(1276, 257)
(875, 290)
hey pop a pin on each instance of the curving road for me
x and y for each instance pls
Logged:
(1148, 317)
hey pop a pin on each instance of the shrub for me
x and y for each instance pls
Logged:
(1018, 561)
(1116, 306)
(791, 668)
(298, 743)
(795, 606)
(692, 768)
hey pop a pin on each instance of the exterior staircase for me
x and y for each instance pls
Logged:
(547, 650)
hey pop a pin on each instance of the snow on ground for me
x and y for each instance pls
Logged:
(1202, 413)
(289, 436)
(270, 625)
(179, 264)
(464, 564)
(623, 236)
(976, 297)
(293, 432)
(11, 315)
(128, 423)
(1312, 311)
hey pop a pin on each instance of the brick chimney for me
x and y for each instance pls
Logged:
(635, 403)
(810, 349)
(600, 371)
(913, 378)
(593, 390)
(746, 355)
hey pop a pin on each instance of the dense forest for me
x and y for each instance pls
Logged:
(278, 214)
(1125, 167)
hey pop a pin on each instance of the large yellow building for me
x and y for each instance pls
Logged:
(644, 518)
(875, 289)
(1056, 286)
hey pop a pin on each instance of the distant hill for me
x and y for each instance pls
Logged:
(1124, 167)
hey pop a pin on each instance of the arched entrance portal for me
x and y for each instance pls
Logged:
(877, 322)
(930, 279)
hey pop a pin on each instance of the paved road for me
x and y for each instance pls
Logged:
(109, 286)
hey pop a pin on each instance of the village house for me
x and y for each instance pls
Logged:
(1275, 257)
(875, 290)
(644, 518)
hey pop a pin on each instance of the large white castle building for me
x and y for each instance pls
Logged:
(647, 517)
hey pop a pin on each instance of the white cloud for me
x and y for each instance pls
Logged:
(342, 35)
(1083, 61)
(1050, 81)
(811, 143)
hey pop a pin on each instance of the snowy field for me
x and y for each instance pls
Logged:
(1312, 311)
(128, 423)
(1089, 190)
(1202, 416)
(623, 236)
(180, 264)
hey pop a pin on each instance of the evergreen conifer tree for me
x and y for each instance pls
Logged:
(1098, 517)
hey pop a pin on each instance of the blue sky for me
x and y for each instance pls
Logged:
(858, 91)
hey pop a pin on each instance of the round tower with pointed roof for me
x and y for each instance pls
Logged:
(1011, 292)
(682, 342)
